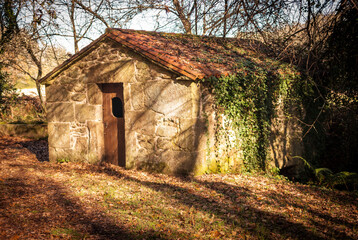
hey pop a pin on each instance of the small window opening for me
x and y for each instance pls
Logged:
(117, 107)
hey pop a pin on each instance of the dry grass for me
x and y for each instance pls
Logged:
(41, 200)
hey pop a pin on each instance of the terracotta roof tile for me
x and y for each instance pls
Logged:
(193, 56)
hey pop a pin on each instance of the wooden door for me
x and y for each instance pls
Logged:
(113, 119)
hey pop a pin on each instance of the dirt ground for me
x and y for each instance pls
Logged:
(42, 200)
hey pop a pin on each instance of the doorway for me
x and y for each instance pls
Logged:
(113, 121)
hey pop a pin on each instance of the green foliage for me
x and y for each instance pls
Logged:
(337, 141)
(63, 160)
(8, 95)
(250, 99)
(22, 109)
(325, 176)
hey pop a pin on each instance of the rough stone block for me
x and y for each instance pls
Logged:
(92, 56)
(143, 122)
(96, 138)
(59, 135)
(57, 93)
(78, 97)
(179, 162)
(94, 94)
(160, 73)
(169, 98)
(81, 145)
(164, 144)
(85, 112)
(195, 98)
(167, 127)
(56, 154)
(143, 72)
(137, 96)
(146, 142)
(186, 123)
(73, 72)
(127, 97)
(186, 140)
(60, 112)
(78, 87)
(111, 72)
(125, 73)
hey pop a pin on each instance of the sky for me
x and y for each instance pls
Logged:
(142, 21)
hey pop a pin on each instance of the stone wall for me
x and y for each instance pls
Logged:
(161, 113)
(171, 125)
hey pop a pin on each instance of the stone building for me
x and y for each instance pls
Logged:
(134, 98)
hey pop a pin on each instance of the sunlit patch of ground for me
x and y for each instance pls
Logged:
(41, 200)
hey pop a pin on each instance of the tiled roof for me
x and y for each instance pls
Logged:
(195, 57)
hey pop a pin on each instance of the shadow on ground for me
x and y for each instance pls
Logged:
(36, 206)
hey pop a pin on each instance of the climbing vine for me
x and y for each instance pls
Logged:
(250, 98)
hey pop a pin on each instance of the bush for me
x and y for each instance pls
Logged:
(8, 95)
(24, 110)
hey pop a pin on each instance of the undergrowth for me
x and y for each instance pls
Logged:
(327, 178)
(23, 109)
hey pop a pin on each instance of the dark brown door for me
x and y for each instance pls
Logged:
(113, 119)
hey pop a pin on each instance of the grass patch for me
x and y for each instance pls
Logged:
(68, 233)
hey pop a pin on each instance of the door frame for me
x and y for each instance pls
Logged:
(116, 135)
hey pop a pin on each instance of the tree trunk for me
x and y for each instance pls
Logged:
(184, 20)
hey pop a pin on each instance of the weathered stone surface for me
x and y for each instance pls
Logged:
(82, 64)
(159, 73)
(146, 141)
(125, 73)
(179, 162)
(164, 144)
(127, 97)
(59, 135)
(168, 127)
(195, 98)
(92, 56)
(57, 93)
(111, 72)
(60, 112)
(78, 87)
(78, 131)
(61, 79)
(143, 72)
(131, 148)
(186, 140)
(137, 96)
(96, 138)
(186, 123)
(168, 98)
(94, 94)
(142, 122)
(78, 97)
(85, 112)
(74, 72)
(56, 154)
(81, 146)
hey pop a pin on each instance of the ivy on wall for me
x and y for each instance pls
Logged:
(250, 98)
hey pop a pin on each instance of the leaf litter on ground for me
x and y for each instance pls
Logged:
(42, 200)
